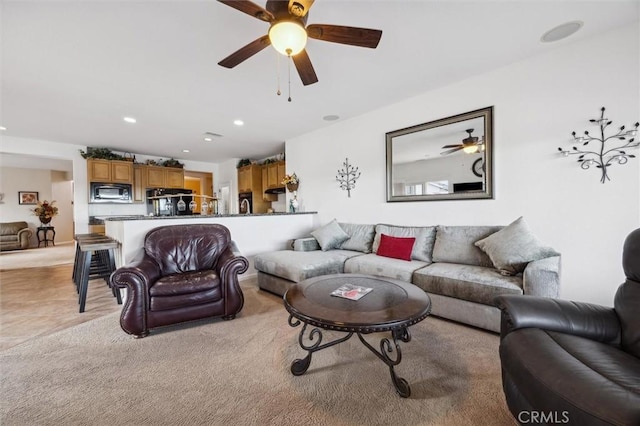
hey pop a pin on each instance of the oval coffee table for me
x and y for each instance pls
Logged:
(392, 306)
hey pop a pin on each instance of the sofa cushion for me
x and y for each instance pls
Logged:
(467, 282)
(297, 266)
(372, 264)
(330, 236)
(9, 238)
(360, 237)
(424, 235)
(456, 244)
(396, 247)
(511, 248)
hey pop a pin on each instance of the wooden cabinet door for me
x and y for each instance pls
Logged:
(138, 184)
(155, 177)
(265, 185)
(175, 178)
(281, 172)
(244, 179)
(265, 178)
(121, 171)
(99, 170)
(272, 171)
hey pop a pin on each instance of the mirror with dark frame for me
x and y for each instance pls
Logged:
(446, 159)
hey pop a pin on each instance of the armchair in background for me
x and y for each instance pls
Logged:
(573, 362)
(186, 272)
(14, 235)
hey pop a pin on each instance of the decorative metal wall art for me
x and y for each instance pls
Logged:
(601, 156)
(347, 176)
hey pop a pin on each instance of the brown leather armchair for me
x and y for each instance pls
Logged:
(186, 272)
(572, 362)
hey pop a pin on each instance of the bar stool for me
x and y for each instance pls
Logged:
(76, 262)
(95, 259)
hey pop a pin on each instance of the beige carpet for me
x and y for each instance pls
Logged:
(237, 373)
(36, 257)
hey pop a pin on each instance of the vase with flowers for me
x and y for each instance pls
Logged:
(45, 211)
(291, 182)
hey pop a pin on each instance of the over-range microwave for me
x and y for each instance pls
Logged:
(110, 193)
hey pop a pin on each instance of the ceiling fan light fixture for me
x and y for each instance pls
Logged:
(288, 37)
(470, 149)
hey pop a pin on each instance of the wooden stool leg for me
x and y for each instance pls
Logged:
(84, 278)
(112, 268)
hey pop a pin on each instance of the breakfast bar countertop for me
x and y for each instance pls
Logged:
(197, 216)
(252, 233)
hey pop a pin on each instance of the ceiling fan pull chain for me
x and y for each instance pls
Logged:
(290, 78)
(278, 72)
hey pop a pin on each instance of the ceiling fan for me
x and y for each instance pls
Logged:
(470, 144)
(288, 34)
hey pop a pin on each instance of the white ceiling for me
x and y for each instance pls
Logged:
(72, 70)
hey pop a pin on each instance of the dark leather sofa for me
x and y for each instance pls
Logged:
(567, 362)
(186, 272)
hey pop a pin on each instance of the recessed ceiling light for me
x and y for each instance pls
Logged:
(561, 31)
(238, 122)
(185, 150)
(130, 120)
(3, 128)
(331, 117)
(208, 139)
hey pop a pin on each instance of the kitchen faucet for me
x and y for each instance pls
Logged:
(248, 206)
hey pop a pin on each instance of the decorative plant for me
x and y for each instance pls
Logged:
(172, 163)
(45, 210)
(244, 162)
(602, 157)
(290, 179)
(100, 153)
(347, 176)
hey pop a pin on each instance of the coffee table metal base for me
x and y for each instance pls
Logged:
(386, 352)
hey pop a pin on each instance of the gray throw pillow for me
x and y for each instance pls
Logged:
(455, 244)
(513, 247)
(360, 237)
(425, 237)
(330, 236)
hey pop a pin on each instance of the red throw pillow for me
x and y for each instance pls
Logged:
(396, 247)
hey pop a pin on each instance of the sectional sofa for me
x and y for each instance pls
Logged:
(462, 268)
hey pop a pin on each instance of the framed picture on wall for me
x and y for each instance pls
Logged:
(27, 197)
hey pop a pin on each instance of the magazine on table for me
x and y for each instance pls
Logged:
(351, 291)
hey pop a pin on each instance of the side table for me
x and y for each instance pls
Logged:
(44, 237)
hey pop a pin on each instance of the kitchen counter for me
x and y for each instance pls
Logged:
(253, 233)
(196, 216)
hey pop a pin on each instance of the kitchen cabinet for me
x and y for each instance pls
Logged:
(174, 177)
(96, 229)
(139, 185)
(109, 171)
(163, 177)
(250, 180)
(265, 185)
(245, 178)
(275, 174)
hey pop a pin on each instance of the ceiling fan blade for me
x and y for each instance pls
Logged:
(451, 151)
(362, 37)
(300, 8)
(245, 52)
(304, 67)
(250, 8)
(451, 146)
